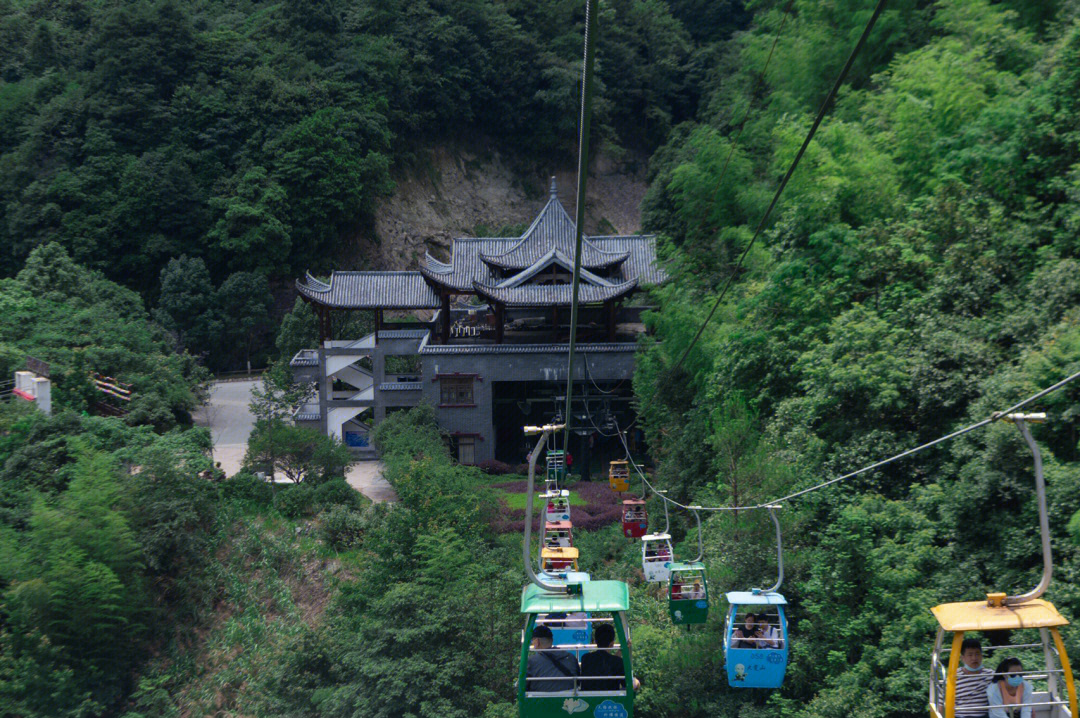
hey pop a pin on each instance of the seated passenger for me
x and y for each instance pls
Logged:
(548, 663)
(746, 635)
(1008, 690)
(604, 663)
(768, 633)
(972, 681)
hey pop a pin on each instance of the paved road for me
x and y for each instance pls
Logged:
(230, 421)
(366, 477)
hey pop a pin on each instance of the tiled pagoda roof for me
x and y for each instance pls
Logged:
(611, 267)
(552, 295)
(370, 290)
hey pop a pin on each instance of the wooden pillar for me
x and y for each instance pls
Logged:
(609, 309)
(322, 314)
(555, 324)
(378, 323)
(500, 319)
(445, 316)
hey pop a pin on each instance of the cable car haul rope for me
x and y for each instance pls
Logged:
(576, 648)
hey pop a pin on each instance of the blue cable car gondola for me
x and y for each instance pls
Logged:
(756, 662)
(568, 629)
(757, 657)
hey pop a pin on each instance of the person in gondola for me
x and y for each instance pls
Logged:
(603, 662)
(550, 664)
(972, 681)
(768, 633)
(746, 635)
(1008, 690)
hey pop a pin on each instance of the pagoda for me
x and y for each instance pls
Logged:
(460, 320)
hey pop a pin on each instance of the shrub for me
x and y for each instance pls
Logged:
(494, 467)
(300, 453)
(337, 492)
(295, 501)
(522, 469)
(341, 527)
(248, 488)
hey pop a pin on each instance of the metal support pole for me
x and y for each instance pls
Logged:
(527, 543)
(1021, 421)
(779, 552)
(700, 538)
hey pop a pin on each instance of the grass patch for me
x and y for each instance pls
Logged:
(517, 501)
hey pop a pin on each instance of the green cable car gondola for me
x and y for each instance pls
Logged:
(688, 588)
(570, 694)
(556, 466)
(549, 676)
(688, 593)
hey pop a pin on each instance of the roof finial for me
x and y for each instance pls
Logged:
(554, 191)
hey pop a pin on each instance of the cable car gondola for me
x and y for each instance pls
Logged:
(656, 557)
(758, 661)
(603, 602)
(635, 518)
(585, 601)
(688, 589)
(558, 534)
(558, 560)
(1055, 697)
(558, 505)
(619, 475)
(570, 630)
(556, 467)
(688, 593)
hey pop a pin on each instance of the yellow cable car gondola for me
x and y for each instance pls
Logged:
(619, 475)
(1001, 615)
(558, 560)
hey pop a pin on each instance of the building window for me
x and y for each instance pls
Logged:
(456, 390)
(466, 449)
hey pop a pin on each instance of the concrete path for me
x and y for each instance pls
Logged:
(367, 478)
(230, 421)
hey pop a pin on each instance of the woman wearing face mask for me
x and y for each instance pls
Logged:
(1008, 690)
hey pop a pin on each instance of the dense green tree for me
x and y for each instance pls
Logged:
(245, 305)
(300, 453)
(187, 307)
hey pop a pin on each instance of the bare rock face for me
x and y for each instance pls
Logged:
(462, 195)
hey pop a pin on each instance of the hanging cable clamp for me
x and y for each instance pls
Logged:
(530, 430)
(1030, 418)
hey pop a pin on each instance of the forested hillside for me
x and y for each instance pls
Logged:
(254, 137)
(921, 272)
(165, 164)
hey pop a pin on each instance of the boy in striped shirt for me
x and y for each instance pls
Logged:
(972, 680)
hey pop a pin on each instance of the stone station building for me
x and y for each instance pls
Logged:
(485, 340)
